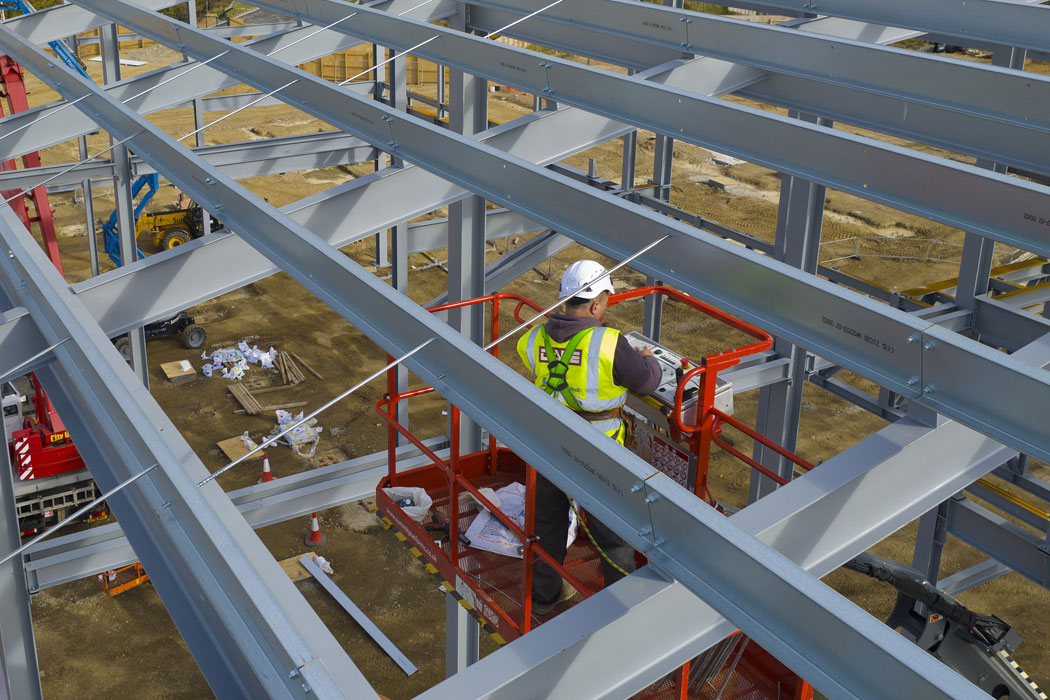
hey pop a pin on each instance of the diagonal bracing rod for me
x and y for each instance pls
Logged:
(997, 206)
(250, 630)
(770, 597)
(883, 344)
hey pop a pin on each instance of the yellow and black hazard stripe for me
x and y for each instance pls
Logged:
(1020, 672)
(486, 626)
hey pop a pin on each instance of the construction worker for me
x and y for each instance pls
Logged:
(588, 367)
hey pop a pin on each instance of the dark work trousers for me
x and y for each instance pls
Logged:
(552, 528)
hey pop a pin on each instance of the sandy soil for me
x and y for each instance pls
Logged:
(115, 645)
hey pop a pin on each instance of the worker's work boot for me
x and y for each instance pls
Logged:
(546, 608)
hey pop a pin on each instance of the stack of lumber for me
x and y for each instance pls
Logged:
(290, 372)
(245, 399)
(251, 405)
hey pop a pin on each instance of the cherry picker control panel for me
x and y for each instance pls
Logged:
(674, 365)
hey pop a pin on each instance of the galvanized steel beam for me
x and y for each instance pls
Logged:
(880, 343)
(58, 22)
(993, 205)
(853, 501)
(238, 160)
(998, 21)
(1000, 539)
(768, 597)
(72, 557)
(859, 64)
(250, 630)
(885, 345)
(46, 128)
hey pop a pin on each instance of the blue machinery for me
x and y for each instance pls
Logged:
(110, 231)
(60, 49)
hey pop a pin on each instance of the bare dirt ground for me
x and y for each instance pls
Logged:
(87, 640)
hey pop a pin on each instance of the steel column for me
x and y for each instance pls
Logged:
(89, 210)
(468, 115)
(198, 123)
(976, 265)
(663, 160)
(122, 176)
(462, 637)
(799, 223)
(21, 672)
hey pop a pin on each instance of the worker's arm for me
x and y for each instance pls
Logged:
(638, 371)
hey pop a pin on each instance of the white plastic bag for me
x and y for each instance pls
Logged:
(419, 498)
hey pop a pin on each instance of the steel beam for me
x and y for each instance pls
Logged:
(58, 22)
(998, 21)
(238, 160)
(512, 266)
(424, 236)
(879, 343)
(20, 339)
(820, 521)
(857, 487)
(200, 269)
(1001, 324)
(250, 630)
(71, 557)
(987, 203)
(1000, 539)
(920, 120)
(903, 74)
(48, 128)
(770, 599)
(978, 574)
(602, 634)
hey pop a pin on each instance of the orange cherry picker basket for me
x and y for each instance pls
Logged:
(680, 429)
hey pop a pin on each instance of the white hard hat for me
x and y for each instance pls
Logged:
(580, 273)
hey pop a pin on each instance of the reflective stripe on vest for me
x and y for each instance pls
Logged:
(590, 375)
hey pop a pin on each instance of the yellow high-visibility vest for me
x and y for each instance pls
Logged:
(588, 373)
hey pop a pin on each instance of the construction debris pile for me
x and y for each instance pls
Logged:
(235, 362)
(301, 437)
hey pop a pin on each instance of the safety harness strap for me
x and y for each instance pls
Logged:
(558, 367)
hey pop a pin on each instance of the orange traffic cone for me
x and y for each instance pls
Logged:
(267, 474)
(315, 538)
